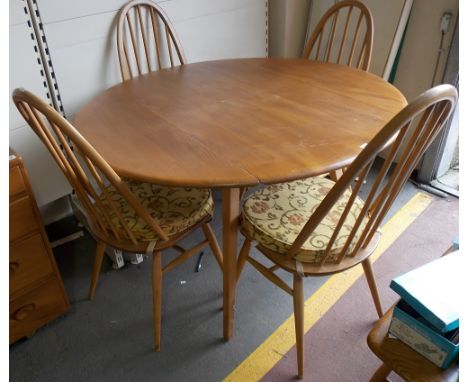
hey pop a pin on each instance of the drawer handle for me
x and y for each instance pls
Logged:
(24, 311)
(13, 267)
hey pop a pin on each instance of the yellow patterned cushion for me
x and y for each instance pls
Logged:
(174, 209)
(274, 216)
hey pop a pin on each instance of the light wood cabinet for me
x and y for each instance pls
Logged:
(37, 295)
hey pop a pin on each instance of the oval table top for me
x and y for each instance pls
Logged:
(238, 122)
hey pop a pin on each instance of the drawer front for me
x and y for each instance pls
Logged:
(22, 218)
(36, 308)
(29, 261)
(16, 181)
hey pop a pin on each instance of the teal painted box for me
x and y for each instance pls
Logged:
(411, 328)
(432, 290)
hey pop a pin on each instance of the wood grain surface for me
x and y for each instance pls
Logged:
(238, 122)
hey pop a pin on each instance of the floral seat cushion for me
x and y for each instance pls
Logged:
(175, 209)
(274, 216)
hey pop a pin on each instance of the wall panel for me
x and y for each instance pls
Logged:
(81, 39)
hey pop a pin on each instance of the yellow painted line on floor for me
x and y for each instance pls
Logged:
(258, 363)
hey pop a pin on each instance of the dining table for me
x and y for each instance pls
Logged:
(236, 123)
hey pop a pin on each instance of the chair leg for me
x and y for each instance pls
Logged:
(210, 236)
(336, 174)
(366, 264)
(244, 253)
(157, 299)
(242, 192)
(98, 256)
(298, 298)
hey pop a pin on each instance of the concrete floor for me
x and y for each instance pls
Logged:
(451, 179)
(110, 338)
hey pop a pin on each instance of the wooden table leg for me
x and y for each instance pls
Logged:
(231, 213)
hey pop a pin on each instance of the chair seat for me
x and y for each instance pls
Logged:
(175, 209)
(274, 216)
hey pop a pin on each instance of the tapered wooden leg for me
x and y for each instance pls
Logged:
(98, 256)
(157, 299)
(381, 374)
(210, 236)
(244, 253)
(298, 297)
(366, 264)
(230, 225)
(336, 174)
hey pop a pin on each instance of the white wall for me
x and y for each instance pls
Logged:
(421, 46)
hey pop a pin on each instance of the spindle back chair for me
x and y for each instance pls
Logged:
(85, 168)
(117, 215)
(340, 228)
(146, 40)
(340, 39)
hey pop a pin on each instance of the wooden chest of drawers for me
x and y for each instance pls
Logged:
(37, 295)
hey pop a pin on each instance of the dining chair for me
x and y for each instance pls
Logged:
(125, 214)
(338, 36)
(146, 40)
(316, 227)
(344, 35)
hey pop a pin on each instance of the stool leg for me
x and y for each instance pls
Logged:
(381, 374)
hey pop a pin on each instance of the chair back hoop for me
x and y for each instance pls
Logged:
(408, 135)
(146, 40)
(88, 173)
(340, 36)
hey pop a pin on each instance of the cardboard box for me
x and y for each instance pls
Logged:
(411, 328)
